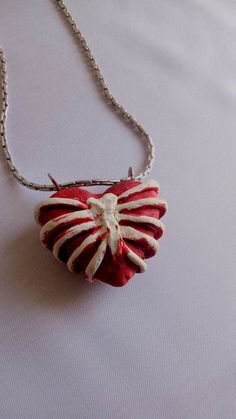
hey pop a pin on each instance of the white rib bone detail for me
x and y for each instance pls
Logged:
(140, 188)
(62, 219)
(88, 241)
(136, 260)
(131, 233)
(154, 202)
(96, 261)
(100, 222)
(142, 219)
(57, 201)
(72, 232)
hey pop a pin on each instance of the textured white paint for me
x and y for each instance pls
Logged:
(139, 188)
(61, 219)
(141, 202)
(72, 232)
(104, 213)
(92, 238)
(141, 219)
(55, 201)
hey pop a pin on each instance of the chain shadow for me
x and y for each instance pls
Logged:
(37, 277)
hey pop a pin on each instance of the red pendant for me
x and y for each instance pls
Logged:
(108, 235)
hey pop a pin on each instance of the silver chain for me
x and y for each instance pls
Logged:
(107, 93)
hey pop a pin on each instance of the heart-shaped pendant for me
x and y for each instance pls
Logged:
(106, 235)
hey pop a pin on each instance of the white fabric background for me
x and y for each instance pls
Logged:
(165, 345)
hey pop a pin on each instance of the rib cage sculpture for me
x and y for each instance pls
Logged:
(108, 235)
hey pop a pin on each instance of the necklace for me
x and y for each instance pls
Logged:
(108, 235)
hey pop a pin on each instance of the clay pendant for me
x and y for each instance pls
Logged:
(108, 235)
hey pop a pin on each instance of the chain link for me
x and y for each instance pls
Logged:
(127, 117)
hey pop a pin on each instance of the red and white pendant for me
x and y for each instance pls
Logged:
(108, 235)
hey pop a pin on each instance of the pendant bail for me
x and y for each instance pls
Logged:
(55, 183)
(131, 172)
